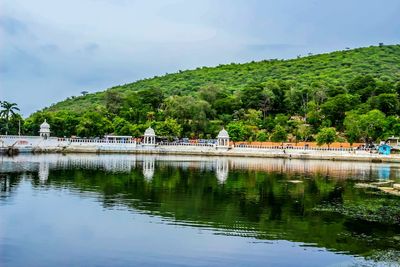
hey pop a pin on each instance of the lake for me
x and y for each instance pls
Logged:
(148, 210)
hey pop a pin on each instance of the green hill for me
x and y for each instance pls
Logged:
(258, 96)
(336, 68)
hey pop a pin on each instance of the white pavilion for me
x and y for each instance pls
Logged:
(149, 137)
(44, 131)
(223, 138)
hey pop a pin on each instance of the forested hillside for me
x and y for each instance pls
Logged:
(352, 94)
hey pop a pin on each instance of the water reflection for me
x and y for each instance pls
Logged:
(148, 167)
(222, 169)
(384, 171)
(221, 165)
(44, 170)
(265, 199)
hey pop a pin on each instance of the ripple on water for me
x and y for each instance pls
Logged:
(115, 211)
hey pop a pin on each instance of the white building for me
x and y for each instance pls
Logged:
(44, 131)
(223, 138)
(149, 137)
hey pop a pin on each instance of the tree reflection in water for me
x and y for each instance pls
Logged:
(268, 199)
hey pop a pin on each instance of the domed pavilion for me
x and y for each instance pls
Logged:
(223, 138)
(149, 137)
(44, 131)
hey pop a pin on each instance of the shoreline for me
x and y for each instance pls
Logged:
(357, 156)
(29, 144)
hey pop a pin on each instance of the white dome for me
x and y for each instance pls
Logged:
(223, 134)
(149, 132)
(44, 127)
(44, 124)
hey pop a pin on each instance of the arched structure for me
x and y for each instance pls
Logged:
(223, 138)
(149, 137)
(44, 131)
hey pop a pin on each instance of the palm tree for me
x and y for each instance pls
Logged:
(8, 110)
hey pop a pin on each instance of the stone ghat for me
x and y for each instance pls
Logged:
(207, 150)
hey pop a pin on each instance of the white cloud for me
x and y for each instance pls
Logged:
(54, 49)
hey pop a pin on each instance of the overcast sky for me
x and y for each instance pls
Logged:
(52, 49)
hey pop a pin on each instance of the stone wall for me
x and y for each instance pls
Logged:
(50, 145)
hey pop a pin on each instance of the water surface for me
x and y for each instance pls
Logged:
(135, 210)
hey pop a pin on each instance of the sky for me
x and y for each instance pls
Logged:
(53, 49)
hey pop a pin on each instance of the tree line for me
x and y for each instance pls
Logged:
(366, 109)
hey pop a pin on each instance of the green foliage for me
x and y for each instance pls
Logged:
(63, 123)
(326, 136)
(352, 127)
(279, 134)
(238, 131)
(318, 90)
(8, 111)
(93, 124)
(169, 128)
(113, 101)
(387, 103)
(262, 136)
(368, 127)
(303, 132)
(122, 127)
(335, 69)
(335, 108)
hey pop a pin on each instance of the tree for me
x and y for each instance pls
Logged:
(94, 124)
(169, 128)
(326, 135)
(279, 134)
(352, 127)
(238, 131)
(113, 101)
(372, 125)
(122, 127)
(190, 112)
(297, 100)
(262, 136)
(319, 92)
(392, 126)
(227, 105)
(363, 86)
(369, 126)
(211, 93)
(387, 103)
(153, 97)
(252, 96)
(267, 101)
(252, 117)
(150, 115)
(8, 110)
(303, 132)
(278, 88)
(135, 109)
(335, 108)
(84, 93)
(314, 116)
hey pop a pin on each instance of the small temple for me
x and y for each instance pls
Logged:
(44, 131)
(149, 137)
(223, 138)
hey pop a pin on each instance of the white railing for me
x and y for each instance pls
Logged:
(301, 148)
(97, 141)
(19, 137)
(133, 141)
(184, 144)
